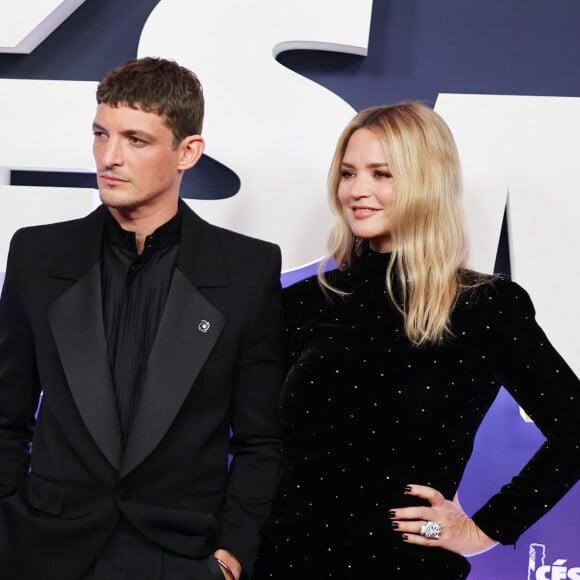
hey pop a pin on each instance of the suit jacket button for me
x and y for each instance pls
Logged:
(123, 495)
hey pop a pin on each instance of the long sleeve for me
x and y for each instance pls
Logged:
(539, 379)
(19, 384)
(256, 438)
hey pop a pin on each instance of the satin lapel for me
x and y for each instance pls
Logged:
(76, 320)
(188, 330)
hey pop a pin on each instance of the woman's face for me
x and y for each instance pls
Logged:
(367, 190)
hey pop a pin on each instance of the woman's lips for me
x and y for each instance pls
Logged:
(361, 212)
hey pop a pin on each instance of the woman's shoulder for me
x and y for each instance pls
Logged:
(492, 293)
(310, 288)
(302, 289)
(309, 297)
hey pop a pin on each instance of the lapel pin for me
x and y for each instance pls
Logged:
(203, 326)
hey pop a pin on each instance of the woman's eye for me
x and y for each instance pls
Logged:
(346, 174)
(383, 174)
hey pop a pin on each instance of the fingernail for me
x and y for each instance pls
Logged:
(405, 537)
(392, 514)
(408, 489)
(394, 525)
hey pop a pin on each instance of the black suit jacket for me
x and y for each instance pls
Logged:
(216, 363)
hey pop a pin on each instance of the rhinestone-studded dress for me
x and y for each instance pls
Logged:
(367, 413)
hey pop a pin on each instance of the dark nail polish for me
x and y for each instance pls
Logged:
(405, 537)
(408, 488)
(394, 525)
(392, 514)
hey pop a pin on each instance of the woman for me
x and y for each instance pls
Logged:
(395, 358)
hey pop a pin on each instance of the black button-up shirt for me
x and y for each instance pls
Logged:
(134, 291)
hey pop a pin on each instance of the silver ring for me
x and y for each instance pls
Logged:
(431, 530)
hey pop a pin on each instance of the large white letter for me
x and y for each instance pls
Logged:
(524, 151)
(46, 125)
(25, 25)
(274, 128)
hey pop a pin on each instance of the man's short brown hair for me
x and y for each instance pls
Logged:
(158, 85)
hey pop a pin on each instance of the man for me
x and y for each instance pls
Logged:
(151, 334)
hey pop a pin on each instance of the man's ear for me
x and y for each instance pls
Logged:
(190, 150)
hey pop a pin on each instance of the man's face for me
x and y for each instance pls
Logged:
(138, 168)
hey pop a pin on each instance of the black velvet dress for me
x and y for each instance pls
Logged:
(367, 413)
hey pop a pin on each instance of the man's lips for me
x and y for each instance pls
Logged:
(111, 179)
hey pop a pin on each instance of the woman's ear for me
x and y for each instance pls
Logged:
(190, 150)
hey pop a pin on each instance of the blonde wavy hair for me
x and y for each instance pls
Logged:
(429, 244)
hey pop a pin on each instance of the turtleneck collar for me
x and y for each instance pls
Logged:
(372, 262)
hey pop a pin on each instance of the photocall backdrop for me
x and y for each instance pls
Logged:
(281, 79)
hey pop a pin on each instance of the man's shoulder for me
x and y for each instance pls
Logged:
(246, 241)
(59, 229)
(246, 254)
(229, 238)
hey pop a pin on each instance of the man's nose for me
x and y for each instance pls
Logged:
(112, 154)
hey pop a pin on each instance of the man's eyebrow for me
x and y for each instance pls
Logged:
(127, 132)
(138, 133)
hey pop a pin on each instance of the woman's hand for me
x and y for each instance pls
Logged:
(458, 533)
(233, 568)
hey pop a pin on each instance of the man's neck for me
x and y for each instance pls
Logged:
(142, 223)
